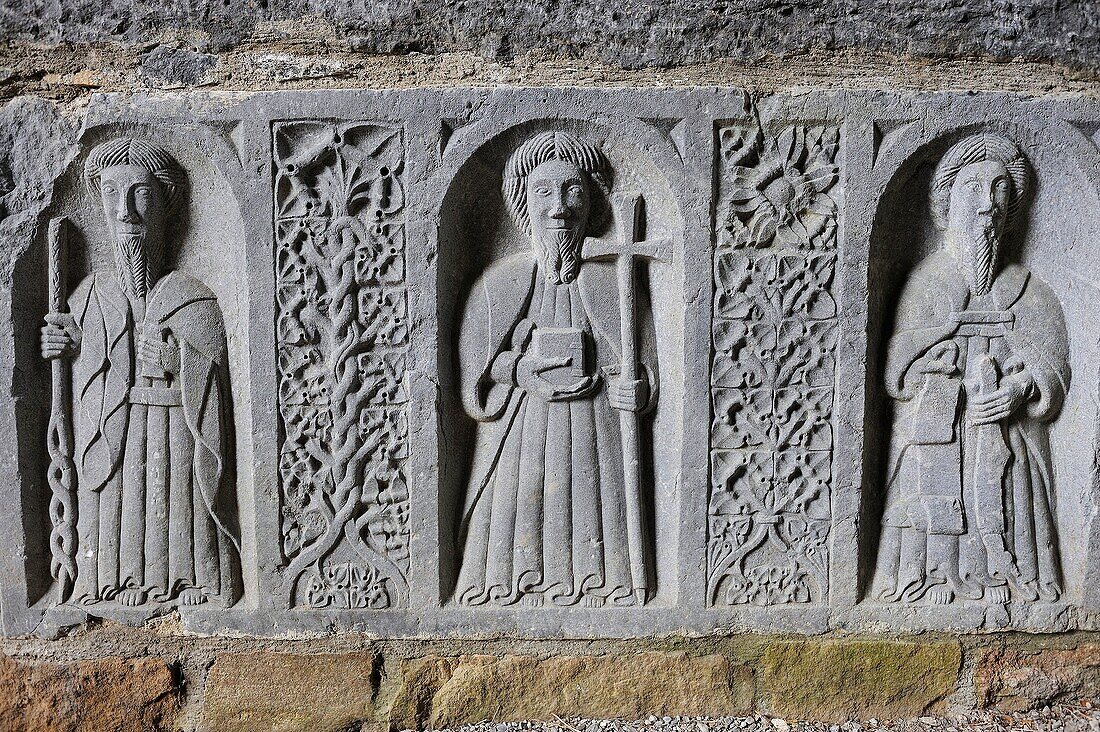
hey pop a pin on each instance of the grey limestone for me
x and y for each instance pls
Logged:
(548, 362)
(632, 34)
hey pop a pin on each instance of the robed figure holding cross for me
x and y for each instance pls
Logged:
(557, 362)
(978, 368)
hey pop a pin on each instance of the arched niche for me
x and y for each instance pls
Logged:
(206, 240)
(475, 230)
(1056, 242)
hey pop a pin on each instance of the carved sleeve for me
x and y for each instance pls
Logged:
(484, 395)
(917, 329)
(1041, 342)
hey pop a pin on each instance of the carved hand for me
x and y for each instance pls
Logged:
(1003, 401)
(159, 353)
(941, 358)
(628, 396)
(529, 377)
(60, 336)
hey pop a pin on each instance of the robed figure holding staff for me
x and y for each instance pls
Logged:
(547, 511)
(150, 403)
(978, 366)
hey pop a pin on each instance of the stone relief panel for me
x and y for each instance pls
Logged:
(558, 366)
(978, 369)
(342, 338)
(773, 360)
(140, 436)
(458, 376)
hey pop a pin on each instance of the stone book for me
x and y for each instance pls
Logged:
(560, 344)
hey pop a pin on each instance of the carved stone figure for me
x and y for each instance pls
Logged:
(978, 368)
(552, 511)
(150, 404)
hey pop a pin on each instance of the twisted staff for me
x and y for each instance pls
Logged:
(62, 474)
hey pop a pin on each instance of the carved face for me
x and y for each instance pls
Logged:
(979, 198)
(976, 215)
(133, 201)
(557, 200)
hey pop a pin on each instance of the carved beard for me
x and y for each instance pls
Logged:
(136, 259)
(980, 249)
(563, 257)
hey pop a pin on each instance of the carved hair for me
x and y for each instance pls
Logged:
(131, 151)
(976, 149)
(547, 146)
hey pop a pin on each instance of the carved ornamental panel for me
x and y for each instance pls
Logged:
(342, 336)
(775, 326)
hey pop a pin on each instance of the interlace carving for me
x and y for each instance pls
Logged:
(342, 339)
(774, 338)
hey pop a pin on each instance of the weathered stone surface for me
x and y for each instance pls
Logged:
(445, 692)
(88, 696)
(287, 692)
(171, 67)
(835, 680)
(636, 34)
(1019, 679)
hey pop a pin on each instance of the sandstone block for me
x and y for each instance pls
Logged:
(827, 680)
(88, 696)
(446, 692)
(1019, 680)
(286, 692)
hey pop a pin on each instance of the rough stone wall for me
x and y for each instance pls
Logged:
(157, 676)
(155, 679)
(632, 34)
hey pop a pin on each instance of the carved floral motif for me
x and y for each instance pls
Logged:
(774, 339)
(342, 338)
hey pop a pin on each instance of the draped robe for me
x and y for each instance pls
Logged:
(972, 507)
(153, 503)
(545, 516)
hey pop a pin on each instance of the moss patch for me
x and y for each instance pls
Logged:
(835, 680)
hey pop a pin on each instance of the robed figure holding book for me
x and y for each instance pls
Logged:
(978, 368)
(546, 513)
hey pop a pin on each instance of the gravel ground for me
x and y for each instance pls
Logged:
(1063, 718)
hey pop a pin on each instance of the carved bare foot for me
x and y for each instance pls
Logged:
(192, 596)
(531, 600)
(131, 597)
(997, 595)
(592, 601)
(941, 595)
